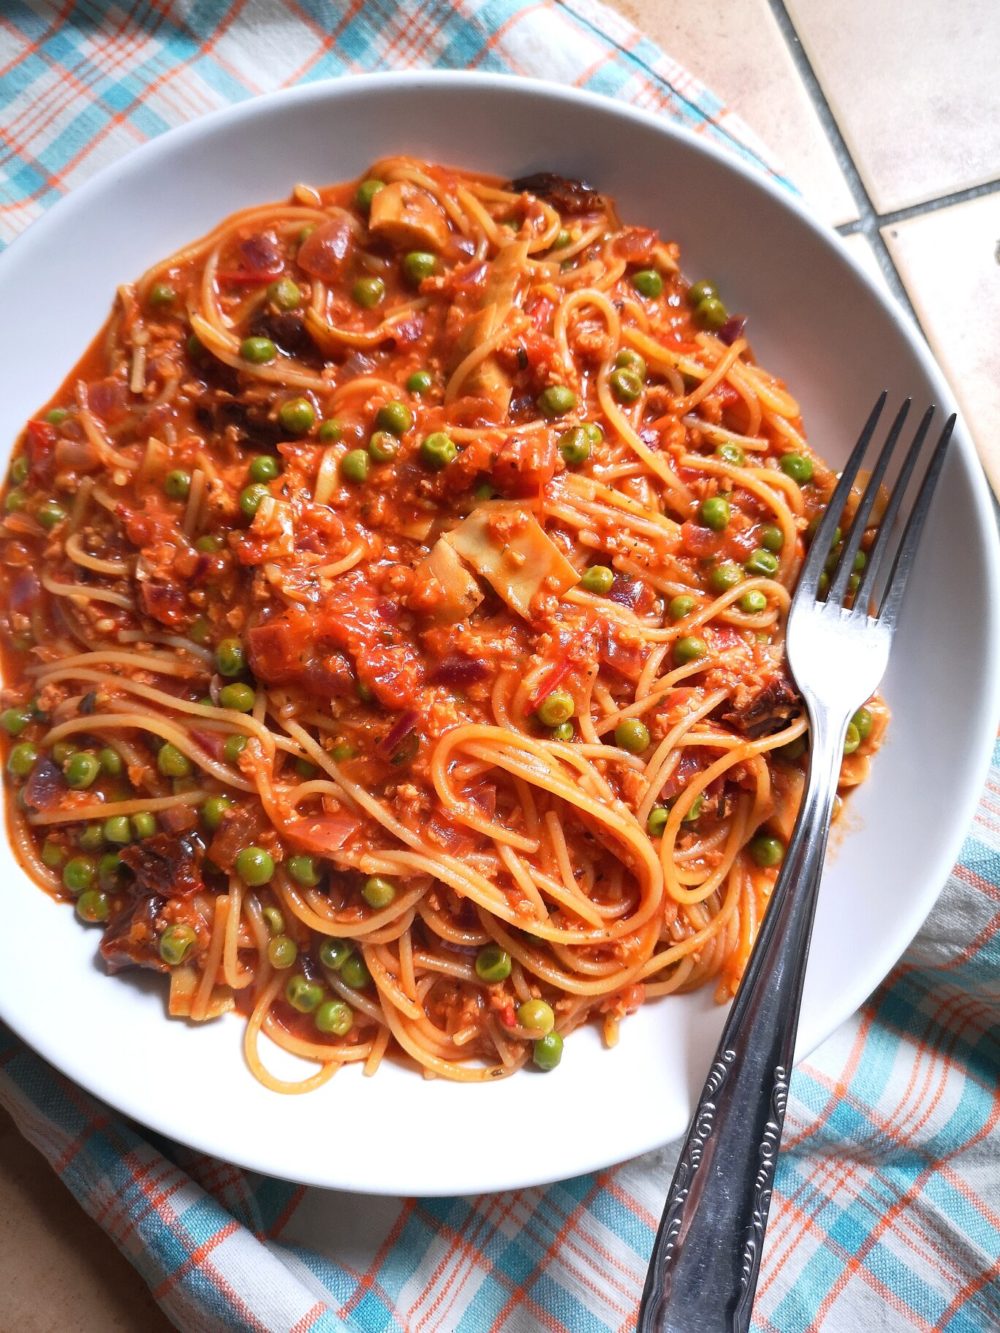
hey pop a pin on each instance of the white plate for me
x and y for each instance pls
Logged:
(816, 320)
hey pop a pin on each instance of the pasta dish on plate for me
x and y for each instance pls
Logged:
(392, 619)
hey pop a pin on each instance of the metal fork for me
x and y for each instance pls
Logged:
(703, 1271)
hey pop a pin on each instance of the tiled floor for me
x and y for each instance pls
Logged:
(887, 117)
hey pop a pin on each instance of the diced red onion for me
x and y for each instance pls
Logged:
(626, 592)
(733, 329)
(260, 253)
(397, 733)
(459, 671)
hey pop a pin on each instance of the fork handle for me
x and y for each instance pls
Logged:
(703, 1271)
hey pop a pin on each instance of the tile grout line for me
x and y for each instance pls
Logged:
(929, 205)
(869, 221)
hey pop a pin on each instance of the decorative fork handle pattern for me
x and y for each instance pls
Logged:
(703, 1272)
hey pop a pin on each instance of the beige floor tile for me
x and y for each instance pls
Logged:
(914, 89)
(58, 1270)
(738, 51)
(948, 261)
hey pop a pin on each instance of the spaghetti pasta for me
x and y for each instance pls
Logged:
(392, 616)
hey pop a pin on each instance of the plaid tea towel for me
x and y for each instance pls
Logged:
(886, 1212)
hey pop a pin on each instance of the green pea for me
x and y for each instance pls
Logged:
(680, 606)
(365, 692)
(14, 720)
(93, 906)
(438, 450)
(366, 192)
(368, 292)
(263, 468)
(342, 751)
(762, 562)
(303, 994)
(282, 952)
(656, 821)
(305, 871)
(297, 416)
(419, 382)
(274, 919)
(796, 466)
(334, 953)
(383, 446)
(354, 466)
(173, 763)
(241, 698)
(419, 264)
(111, 762)
(52, 854)
(21, 759)
(196, 349)
(50, 514)
(647, 282)
(689, 649)
(118, 830)
(230, 659)
(547, 1051)
(176, 943)
(109, 868)
(330, 430)
(632, 735)
(565, 731)
(91, 838)
(81, 770)
(701, 291)
(597, 579)
(143, 824)
(862, 723)
(771, 537)
(725, 576)
(304, 769)
(255, 866)
(574, 446)
(626, 385)
(354, 972)
(492, 964)
(854, 583)
(711, 313)
(536, 1016)
(251, 497)
(55, 417)
(259, 351)
(629, 359)
(233, 748)
(793, 750)
(752, 602)
(695, 810)
(731, 453)
(378, 891)
(285, 294)
(714, 512)
(484, 491)
(177, 484)
(555, 708)
(334, 1016)
(767, 851)
(15, 501)
(852, 739)
(562, 239)
(395, 417)
(213, 810)
(556, 400)
(79, 874)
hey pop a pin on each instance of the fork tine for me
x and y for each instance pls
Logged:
(852, 540)
(812, 566)
(900, 571)
(876, 555)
